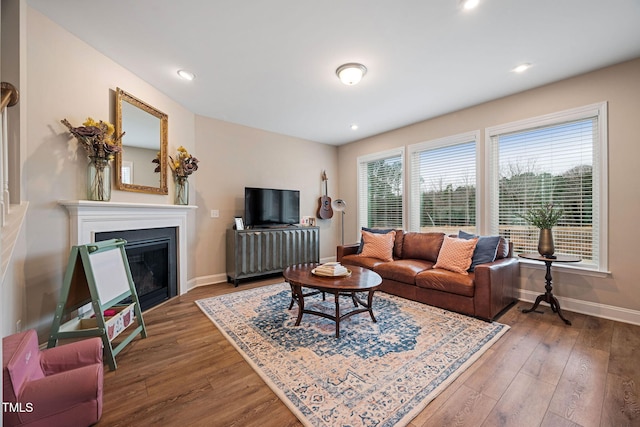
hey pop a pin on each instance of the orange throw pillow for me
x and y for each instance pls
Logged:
(456, 254)
(378, 246)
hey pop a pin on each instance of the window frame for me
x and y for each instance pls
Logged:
(362, 187)
(413, 202)
(600, 171)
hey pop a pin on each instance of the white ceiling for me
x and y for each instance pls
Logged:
(271, 64)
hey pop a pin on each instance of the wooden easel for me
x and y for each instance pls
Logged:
(98, 273)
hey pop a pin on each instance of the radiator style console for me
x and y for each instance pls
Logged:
(259, 252)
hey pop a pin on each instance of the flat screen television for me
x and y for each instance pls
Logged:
(268, 207)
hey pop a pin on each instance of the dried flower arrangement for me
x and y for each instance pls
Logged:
(97, 138)
(182, 166)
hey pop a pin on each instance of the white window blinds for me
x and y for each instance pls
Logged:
(380, 190)
(443, 184)
(554, 163)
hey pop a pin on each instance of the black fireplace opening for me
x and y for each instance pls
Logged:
(153, 257)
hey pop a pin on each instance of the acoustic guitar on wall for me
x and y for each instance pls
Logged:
(325, 211)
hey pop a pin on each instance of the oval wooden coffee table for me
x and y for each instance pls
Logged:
(360, 280)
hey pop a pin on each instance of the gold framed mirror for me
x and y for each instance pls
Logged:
(145, 136)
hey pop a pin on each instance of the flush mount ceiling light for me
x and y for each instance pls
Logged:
(351, 73)
(521, 68)
(469, 4)
(187, 75)
(354, 126)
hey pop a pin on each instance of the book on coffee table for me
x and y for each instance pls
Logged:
(331, 269)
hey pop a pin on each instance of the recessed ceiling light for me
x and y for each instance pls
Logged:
(187, 75)
(469, 4)
(521, 68)
(354, 127)
(351, 73)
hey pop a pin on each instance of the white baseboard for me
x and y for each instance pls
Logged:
(604, 311)
(222, 277)
(206, 280)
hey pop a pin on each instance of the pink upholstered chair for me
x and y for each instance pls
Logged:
(61, 386)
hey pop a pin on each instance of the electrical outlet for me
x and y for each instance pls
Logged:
(215, 213)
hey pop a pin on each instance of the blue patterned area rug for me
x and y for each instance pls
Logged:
(375, 374)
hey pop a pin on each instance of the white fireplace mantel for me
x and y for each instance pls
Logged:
(88, 218)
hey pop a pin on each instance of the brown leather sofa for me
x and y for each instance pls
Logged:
(483, 293)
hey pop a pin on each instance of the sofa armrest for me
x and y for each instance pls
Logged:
(495, 286)
(50, 395)
(71, 356)
(343, 250)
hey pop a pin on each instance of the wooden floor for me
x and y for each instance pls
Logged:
(540, 373)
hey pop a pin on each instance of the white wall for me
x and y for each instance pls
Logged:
(616, 294)
(13, 245)
(234, 156)
(68, 79)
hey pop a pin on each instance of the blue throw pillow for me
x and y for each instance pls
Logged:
(486, 248)
(373, 230)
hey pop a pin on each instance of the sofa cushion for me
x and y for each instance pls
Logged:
(21, 359)
(503, 248)
(402, 270)
(397, 246)
(361, 261)
(485, 250)
(446, 281)
(422, 246)
(455, 254)
(378, 246)
(372, 230)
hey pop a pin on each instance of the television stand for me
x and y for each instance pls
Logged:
(263, 251)
(273, 227)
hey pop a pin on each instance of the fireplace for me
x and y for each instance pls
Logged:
(90, 218)
(152, 260)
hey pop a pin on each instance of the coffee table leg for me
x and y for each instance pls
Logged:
(353, 298)
(370, 306)
(299, 297)
(337, 296)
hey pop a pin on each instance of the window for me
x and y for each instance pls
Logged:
(127, 172)
(442, 182)
(380, 189)
(558, 159)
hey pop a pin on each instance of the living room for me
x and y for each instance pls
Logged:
(64, 77)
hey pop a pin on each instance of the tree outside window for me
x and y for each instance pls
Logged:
(555, 163)
(380, 190)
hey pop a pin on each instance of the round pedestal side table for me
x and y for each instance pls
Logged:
(548, 296)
